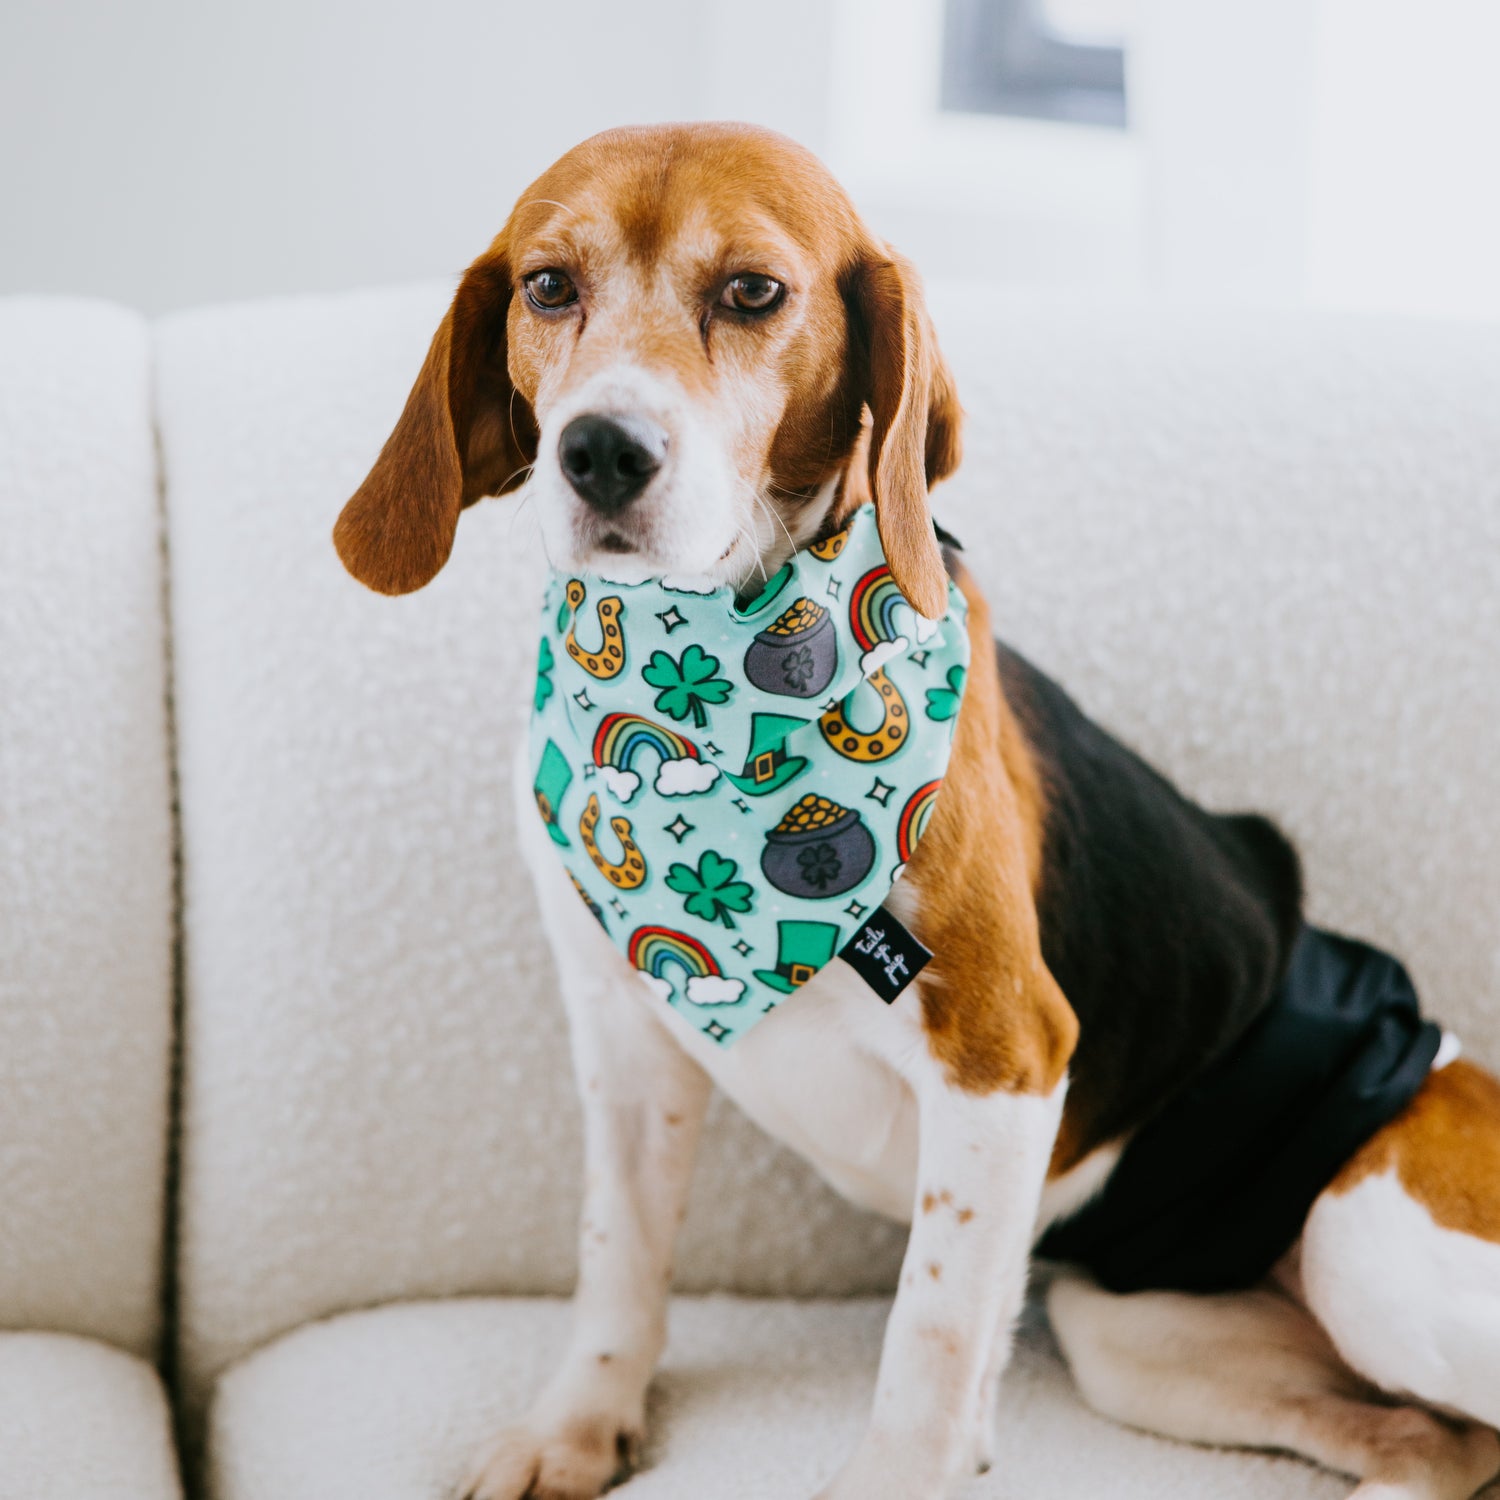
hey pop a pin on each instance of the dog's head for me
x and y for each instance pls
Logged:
(673, 343)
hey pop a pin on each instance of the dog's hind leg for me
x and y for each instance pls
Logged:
(1254, 1370)
(1401, 1256)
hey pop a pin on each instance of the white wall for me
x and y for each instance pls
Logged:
(1404, 174)
(167, 152)
(1331, 153)
(1312, 152)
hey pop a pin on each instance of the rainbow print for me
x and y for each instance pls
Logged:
(622, 737)
(656, 948)
(872, 609)
(914, 818)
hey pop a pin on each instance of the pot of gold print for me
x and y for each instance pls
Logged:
(797, 654)
(818, 849)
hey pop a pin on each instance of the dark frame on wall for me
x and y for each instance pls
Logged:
(1003, 57)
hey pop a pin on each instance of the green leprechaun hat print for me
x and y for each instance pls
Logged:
(768, 767)
(553, 777)
(802, 948)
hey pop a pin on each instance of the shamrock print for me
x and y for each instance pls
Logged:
(798, 667)
(712, 891)
(820, 864)
(545, 663)
(687, 683)
(942, 703)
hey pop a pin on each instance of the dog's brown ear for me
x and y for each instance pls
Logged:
(915, 421)
(465, 433)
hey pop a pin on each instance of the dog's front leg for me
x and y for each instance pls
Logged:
(982, 1165)
(643, 1104)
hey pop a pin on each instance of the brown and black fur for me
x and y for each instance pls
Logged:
(1167, 927)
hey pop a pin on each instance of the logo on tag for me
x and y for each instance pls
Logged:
(885, 955)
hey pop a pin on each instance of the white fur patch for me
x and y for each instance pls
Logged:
(623, 784)
(1450, 1049)
(714, 989)
(1065, 1195)
(686, 777)
(1410, 1304)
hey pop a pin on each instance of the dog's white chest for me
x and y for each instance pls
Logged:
(820, 1075)
(815, 1076)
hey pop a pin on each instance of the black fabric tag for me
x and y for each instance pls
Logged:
(885, 955)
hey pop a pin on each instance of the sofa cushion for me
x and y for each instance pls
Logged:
(377, 1099)
(81, 1421)
(1263, 548)
(85, 826)
(755, 1400)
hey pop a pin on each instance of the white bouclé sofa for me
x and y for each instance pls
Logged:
(292, 1120)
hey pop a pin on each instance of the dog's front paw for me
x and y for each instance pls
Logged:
(575, 1460)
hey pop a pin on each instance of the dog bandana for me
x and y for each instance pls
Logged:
(735, 783)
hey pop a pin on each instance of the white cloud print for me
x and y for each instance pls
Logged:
(878, 655)
(686, 777)
(623, 784)
(688, 583)
(714, 989)
(661, 988)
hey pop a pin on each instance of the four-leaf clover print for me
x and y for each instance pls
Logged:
(820, 864)
(942, 703)
(712, 891)
(687, 683)
(798, 667)
(545, 662)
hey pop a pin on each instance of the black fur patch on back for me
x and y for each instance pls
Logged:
(1167, 927)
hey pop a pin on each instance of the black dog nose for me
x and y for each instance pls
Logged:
(609, 460)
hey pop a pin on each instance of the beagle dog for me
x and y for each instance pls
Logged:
(693, 358)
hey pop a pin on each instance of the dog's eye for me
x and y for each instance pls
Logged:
(550, 289)
(752, 293)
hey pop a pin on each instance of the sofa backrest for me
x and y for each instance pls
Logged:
(85, 827)
(1264, 551)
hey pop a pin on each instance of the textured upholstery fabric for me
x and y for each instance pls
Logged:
(756, 1401)
(1267, 552)
(377, 1095)
(85, 826)
(81, 1421)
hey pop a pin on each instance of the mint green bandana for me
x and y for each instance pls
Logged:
(734, 784)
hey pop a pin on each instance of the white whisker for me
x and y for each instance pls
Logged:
(510, 417)
(534, 516)
(776, 519)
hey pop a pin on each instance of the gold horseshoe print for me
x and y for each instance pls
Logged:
(878, 744)
(830, 547)
(608, 660)
(631, 871)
